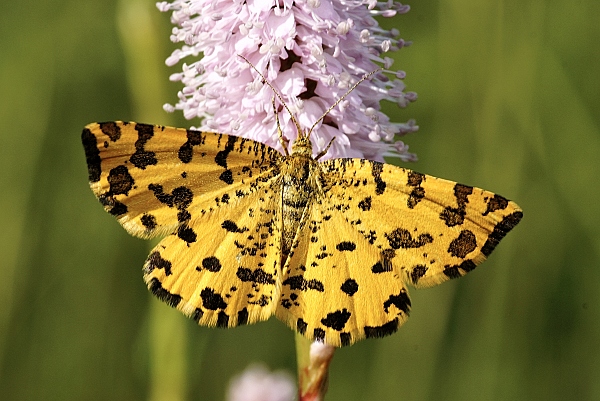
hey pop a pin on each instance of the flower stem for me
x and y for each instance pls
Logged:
(313, 368)
(167, 332)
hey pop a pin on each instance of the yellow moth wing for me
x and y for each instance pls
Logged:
(154, 178)
(430, 229)
(230, 273)
(329, 292)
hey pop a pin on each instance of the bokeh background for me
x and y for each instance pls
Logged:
(509, 101)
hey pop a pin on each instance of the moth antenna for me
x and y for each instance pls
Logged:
(282, 141)
(324, 151)
(366, 76)
(276, 94)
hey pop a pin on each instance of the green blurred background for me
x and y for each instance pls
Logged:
(508, 101)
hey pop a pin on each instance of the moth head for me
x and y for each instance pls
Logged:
(302, 146)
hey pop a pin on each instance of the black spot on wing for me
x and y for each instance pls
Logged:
(501, 229)
(142, 158)
(232, 227)
(222, 320)
(148, 221)
(319, 334)
(111, 129)
(383, 330)
(462, 192)
(452, 271)
(464, 244)
(414, 180)
(350, 287)
(388, 254)
(262, 301)
(417, 272)
(212, 300)
(242, 317)
(453, 216)
(255, 276)
(496, 203)
(212, 264)
(376, 170)
(186, 233)
(155, 261)
(371, 236)
(346, 246)
(221, 157)
(300, 283)
(186, 151)
(227, 177)
(415, 197)
(180, 197)
(162, 197)
(92, 155)
(120, 181)
(183, 216)
(365, 204)
(301, 326)
(400, 301)
(112, 205)
(337, 320)
(345, 339)
(402, 238)
(382, 266)
(455, 271)
(155, 286)
(197, 315)
(286, 303)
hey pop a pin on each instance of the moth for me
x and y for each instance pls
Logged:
(328, 247)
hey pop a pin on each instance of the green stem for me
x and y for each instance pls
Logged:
(313, 368)
(141, 40)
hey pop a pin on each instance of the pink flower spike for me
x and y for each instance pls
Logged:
(312, 51)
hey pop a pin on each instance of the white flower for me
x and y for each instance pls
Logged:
(311, 51)
(256, 383)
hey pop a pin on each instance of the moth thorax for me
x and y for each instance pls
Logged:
(298, 187)
(302, 146)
